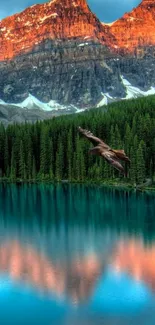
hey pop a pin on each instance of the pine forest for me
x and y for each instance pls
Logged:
(53, 150)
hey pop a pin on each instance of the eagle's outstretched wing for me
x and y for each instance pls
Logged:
(108, 156)
(90, 136)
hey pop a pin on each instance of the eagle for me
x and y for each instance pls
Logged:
(112, 156)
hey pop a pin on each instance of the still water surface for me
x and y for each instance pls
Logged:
(72, 254)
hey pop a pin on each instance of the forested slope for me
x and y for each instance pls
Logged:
(53, 149)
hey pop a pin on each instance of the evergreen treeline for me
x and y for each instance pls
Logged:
(53, 149)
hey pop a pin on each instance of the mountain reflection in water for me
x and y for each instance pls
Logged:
(76, 254)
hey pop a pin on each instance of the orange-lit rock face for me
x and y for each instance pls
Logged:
(57, 19)
(67, 19)
(136, 29)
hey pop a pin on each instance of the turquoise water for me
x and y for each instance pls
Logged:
(73, 254)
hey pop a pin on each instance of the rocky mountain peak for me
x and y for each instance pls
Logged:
(146, 2)
(136, 28)
(59, 52)
(70, 3)
(57, 19)
(72, 19)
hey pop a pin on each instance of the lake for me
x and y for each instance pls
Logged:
(75, 254)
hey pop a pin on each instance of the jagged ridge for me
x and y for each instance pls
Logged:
(57, 19)
(135, 30)
(66, 19)
(60, 51)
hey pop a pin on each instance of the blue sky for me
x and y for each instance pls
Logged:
(106, 10)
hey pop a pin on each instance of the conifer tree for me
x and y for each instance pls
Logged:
(51, 160)
(34, 174)
(133, 166)
(59, 162)
(22, 171)
(78, 159)
(29, 159)
(13, 165)
(140, 163)
(45, 154)
(70, 155)
(6, 158)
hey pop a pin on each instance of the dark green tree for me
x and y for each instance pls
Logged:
(140, 163)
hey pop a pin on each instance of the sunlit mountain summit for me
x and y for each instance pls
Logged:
(61, 55)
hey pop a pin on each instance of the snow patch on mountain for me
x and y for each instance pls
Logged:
(134, 92)
(31, 102)
(53, 15)
(131, 92)
(109, 24)
(2, 102)
(83, 44)
(104, 100)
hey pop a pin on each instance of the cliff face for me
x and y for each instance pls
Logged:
(67, 19)
(57, 19)
(60, 51)
(136, 28)
(70, 72)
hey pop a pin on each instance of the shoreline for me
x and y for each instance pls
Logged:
(121, 185)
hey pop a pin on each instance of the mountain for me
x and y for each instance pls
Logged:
(134, 32)
(54, 20)
(60, 53)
